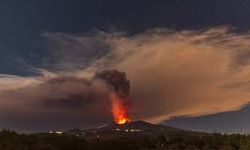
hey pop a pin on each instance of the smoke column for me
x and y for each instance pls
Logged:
(118, 82)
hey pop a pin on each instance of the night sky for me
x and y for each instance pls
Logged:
(23, 22)
(185, 60)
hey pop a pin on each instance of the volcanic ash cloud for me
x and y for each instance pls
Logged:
(63, 102)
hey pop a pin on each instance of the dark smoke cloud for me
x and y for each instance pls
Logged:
(116, 79)
(63, 102)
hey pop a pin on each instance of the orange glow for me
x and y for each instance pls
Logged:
(119, 111)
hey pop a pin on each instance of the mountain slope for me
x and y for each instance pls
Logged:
(226, 122)
(135, 128)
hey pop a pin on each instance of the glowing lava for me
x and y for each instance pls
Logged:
(119, 110)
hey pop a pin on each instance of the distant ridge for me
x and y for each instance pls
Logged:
(235, 121)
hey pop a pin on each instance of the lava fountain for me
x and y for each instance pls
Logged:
(119, 110)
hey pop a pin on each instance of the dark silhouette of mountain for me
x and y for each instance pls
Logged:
(135, 128)
(236, 121)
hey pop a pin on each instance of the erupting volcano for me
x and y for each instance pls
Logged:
(119, 85)
(119, 110)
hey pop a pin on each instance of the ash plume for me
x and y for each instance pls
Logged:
(172, 73)
(62, 101)
(117, 80)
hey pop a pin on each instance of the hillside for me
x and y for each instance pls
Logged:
(236, 121)
(132, 129)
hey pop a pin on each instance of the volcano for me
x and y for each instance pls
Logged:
(133, 128)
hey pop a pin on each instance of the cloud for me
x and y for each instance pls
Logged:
(182, 73)
(68, 52)
(59, 101)
(171, 73)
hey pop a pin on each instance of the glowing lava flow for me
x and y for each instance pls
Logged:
(119, 110)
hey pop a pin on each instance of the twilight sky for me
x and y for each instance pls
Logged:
(182, 58)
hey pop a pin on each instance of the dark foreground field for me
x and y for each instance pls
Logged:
(152, 137)
(13, 141)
